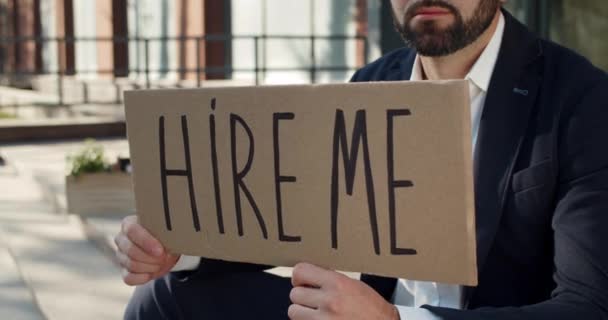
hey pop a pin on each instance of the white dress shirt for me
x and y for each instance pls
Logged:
(409, 295)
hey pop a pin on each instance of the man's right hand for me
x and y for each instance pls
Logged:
(142, 256)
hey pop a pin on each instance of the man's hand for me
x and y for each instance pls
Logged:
(141, 255)
(325, 294)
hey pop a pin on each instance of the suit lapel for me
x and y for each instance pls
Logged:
(401, 69)
(510, 100)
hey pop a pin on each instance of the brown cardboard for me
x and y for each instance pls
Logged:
(434, 226)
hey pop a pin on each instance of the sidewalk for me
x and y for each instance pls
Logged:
(53, 270)
(16, 299)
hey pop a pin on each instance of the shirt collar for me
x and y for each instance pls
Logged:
(481, 72)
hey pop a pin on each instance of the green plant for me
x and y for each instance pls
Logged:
(89, 160)
(4, 115)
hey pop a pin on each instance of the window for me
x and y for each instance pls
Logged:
(581, 25)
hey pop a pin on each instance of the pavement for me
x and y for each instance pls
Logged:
(53, 266)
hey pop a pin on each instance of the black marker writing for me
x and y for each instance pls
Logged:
(394, 184)
(278, 178)
(216, 179)
(359, 136)
(237, 177)
(164, 172)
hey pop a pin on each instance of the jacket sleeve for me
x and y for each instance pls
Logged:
(579, 223)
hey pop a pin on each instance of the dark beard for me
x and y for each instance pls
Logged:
(430, 41)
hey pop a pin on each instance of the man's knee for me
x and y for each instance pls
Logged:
(211, 296)
(150, 301)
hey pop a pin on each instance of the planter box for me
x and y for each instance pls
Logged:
(100, 194)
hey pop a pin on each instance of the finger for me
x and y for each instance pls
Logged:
(136, 266)
(309, 275)
(141, 237)
(298, 312)
(135, 279)
(308, 297)
(166, 266)
(135, 253)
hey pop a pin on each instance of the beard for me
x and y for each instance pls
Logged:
(433, 41)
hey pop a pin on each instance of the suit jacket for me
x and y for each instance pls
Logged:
(541, 183)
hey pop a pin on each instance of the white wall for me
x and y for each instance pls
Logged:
(49, 30)
(374, 10)
(85, 27)
(153, 19)
(302, 18)
(157, 18)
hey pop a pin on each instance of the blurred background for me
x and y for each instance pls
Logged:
(75, 55)
(64, 65)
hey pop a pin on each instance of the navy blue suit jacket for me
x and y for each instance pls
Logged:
(541, 183)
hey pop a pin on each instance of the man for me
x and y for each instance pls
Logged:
(539, 115)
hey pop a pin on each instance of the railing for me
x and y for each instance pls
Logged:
(145, 69)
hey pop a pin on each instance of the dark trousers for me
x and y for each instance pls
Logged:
(215, 295)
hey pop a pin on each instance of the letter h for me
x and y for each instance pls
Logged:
(164, 172)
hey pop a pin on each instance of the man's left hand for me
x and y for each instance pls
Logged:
(324, 294)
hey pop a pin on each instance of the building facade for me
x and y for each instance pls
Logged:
(269, 41)
(260, 41)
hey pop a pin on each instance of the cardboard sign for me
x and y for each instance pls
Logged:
(365, 177)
